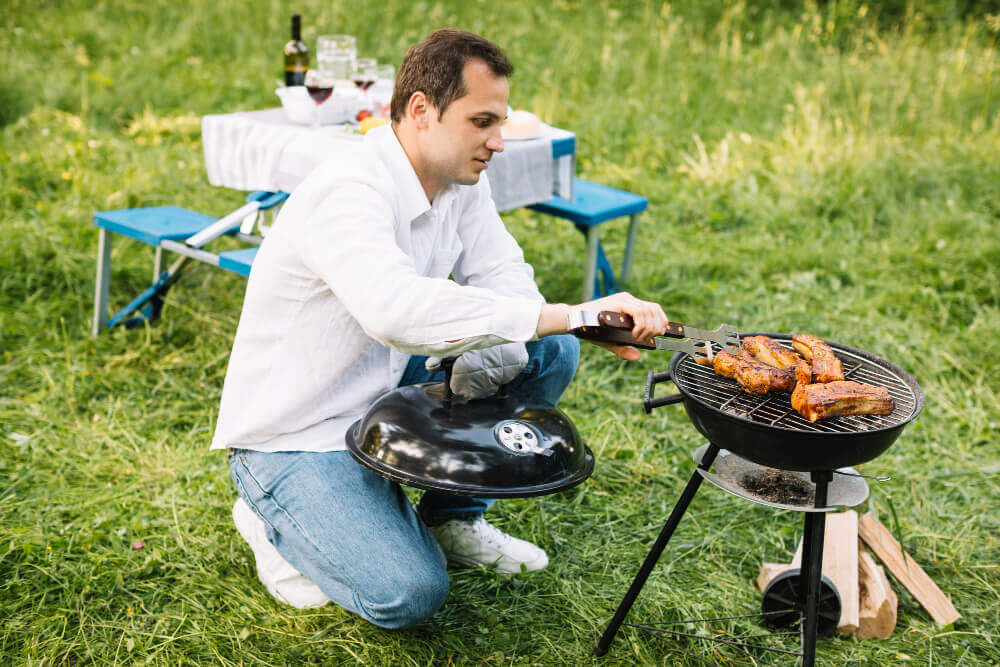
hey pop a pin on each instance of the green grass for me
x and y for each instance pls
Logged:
(832, 169)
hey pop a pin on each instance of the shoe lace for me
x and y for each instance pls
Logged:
(488, 532)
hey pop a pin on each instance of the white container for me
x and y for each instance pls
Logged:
(341, 107)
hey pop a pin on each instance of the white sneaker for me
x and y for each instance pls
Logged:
(480, 543)
(280, 578)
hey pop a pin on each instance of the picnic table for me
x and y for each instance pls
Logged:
(264, 152)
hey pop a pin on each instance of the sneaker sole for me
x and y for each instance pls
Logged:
(530, 566)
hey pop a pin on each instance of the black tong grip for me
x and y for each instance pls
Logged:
(616, 328)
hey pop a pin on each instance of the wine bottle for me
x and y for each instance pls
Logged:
(296, 56)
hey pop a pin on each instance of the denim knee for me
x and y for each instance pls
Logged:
(559, 358)
(408, 601)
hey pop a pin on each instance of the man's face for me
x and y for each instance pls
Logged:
(459, 145)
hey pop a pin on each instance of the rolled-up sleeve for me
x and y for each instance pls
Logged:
(350, 243)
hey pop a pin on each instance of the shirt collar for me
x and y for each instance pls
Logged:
(412, 198)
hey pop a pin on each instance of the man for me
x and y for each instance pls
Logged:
(347, 295)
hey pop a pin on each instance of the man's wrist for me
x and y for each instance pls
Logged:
(552, 319)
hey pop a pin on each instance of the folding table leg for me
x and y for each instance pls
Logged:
(103, 281)
(633, 226)
(157, 263)
(590, 271)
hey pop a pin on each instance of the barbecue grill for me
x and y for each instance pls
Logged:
(763, 437)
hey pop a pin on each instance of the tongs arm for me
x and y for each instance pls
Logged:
(611, 327)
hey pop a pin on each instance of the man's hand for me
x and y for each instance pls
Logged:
(649, 319)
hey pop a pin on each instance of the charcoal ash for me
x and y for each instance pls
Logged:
(779, 486)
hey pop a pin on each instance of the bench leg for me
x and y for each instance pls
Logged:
(103, 282)
(590, 270)
(157, 263)
(633, 227)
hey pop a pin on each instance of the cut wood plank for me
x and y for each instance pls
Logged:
(769, 571)
(877, 615)
(906, 571)
(840, 565)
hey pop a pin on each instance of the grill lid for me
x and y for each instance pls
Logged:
(496, 447)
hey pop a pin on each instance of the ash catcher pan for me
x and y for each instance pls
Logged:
(496, 447)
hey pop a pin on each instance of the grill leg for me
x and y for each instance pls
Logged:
(812, 567)
(655, 552)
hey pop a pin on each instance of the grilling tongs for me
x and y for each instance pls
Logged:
(610, 327)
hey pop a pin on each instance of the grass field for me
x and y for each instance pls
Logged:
(832, 169)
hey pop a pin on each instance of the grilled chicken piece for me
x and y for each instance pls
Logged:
(840, 397)
(756, 377)
(825, 366)
(753, 375)
(725, 364)
(774, 353)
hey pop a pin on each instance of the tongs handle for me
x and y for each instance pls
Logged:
(616, 328)
(610, 318)
(611, 329)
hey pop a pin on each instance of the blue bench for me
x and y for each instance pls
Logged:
(177, 230)
(592, 205)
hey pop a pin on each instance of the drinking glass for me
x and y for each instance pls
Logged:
(381, 92)
(365, 73)
(335, 55)
(319, 85)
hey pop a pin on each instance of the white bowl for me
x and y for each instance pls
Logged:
(342, 106)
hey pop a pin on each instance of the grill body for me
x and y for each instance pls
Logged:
(767, 430)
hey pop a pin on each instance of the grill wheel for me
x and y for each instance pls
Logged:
(782, 606)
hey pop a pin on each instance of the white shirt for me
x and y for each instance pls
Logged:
(351, 280)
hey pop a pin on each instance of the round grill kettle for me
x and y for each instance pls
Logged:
(497, 447)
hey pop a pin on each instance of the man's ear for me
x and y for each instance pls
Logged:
(418, 109)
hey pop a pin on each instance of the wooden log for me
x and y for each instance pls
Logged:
(879, 604)
(840, 565)
(906, 571)
(769, 571)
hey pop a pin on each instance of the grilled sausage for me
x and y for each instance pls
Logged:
(775, 354)
(826, 367)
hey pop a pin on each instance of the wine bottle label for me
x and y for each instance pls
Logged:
(297, 68)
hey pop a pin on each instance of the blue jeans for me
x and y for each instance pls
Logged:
(353, 532)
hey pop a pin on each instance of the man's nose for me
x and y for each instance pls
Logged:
(495, 142)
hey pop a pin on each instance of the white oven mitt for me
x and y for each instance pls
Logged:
(480, 373)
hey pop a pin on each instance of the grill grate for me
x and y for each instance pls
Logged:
(725, 395)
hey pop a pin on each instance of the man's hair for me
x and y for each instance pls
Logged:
(434, 67)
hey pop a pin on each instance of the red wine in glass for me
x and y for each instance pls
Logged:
(363, 83)
(320, 93)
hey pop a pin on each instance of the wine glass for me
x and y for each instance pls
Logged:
(319, 85)
(365, 72)
(364, 75)
(381, 92)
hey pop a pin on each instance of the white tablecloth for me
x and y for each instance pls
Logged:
(262, 150)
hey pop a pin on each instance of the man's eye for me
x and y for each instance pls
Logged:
(482, 122)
